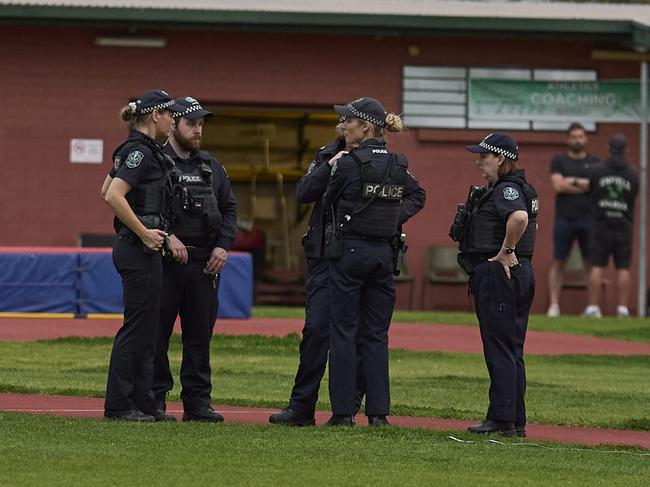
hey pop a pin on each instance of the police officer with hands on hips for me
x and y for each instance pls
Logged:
(315, 342)
(138, 193)
(496, 244)
(371, 193)
(205, 214)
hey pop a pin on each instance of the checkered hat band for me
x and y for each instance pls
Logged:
(160, 106)
(367, 118)
(188, 111)
(498, 150)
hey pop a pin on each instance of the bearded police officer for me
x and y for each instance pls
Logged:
(370, 193)
(138, 191)
(315, 343)
(204, 227)
(496, 244)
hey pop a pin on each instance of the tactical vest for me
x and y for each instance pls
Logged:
(195, 207)
(151, 197)
(376, 212)
(486, 230)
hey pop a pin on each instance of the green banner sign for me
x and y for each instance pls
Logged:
(557, 101)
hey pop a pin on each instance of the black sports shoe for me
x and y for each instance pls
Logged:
(207, 415)
(378, 421)
(340, 420)
(289, 417)
(133, 415)
(489, 426)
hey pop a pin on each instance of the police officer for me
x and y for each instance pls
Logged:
(496, 248)
(315, 342)
(137, 196)
(205, 214)
(371, 193)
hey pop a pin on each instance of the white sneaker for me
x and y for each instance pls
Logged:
(592, 311)
(623, 312)
(553, 311)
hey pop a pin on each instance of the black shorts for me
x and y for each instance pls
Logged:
(566, 232)
(615, 240)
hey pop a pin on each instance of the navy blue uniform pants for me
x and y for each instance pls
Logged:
(191, 294)
(315, 343)
(130, 372)
(502, 307)
(362, 297)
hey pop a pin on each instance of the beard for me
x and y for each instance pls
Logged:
(189, 145)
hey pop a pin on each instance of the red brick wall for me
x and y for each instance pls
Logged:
(57, 85)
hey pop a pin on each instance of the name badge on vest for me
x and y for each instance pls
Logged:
(386, 191)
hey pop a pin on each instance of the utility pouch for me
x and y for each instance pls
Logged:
(333, 242)
(465, 263)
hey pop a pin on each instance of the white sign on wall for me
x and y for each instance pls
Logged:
(87, 150)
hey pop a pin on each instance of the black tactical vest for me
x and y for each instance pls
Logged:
(195, 207)
(376, 212)
(152, 197)
(486, 230)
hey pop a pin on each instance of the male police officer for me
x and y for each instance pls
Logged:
(205, 214)
(372, 193)
(496, 245)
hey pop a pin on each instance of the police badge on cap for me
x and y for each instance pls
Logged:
(497, 143)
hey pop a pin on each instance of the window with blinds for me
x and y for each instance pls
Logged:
(436, 96)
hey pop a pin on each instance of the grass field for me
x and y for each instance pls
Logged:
(633, 329)
(63, 452)
(607, 391)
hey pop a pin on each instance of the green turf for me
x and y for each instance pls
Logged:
(607, 391)
(62, 452)
(633, 329)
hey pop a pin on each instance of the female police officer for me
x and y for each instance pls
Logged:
(497, 248)
(371, 193)
(136, 195)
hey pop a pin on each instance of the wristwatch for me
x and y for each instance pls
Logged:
(508, 250)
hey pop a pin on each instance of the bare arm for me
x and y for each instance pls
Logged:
(116, 198)
(569, 185)
(105, 185)
(515, 228)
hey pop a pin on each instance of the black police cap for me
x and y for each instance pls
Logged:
(366, 108)
(154, 100)
(497, 143)
(191, 109)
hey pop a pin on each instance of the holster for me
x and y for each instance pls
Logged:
(333, 248)
(465, 263)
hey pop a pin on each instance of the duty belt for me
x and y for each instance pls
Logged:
(198, 253)
(365, 237)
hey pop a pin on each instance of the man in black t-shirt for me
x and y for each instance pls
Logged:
(570, 181)
(614, 186)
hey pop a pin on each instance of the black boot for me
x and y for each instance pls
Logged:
(207, 415)
(488, 426)
(289, 417)
(340, 420)
(378, 421)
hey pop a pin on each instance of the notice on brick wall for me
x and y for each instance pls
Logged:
(90, 151)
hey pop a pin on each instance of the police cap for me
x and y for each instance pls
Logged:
(191, 109)
(154, 100)
(367, 109)
(497, 143)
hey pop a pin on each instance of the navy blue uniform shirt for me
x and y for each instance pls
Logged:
(136, 163)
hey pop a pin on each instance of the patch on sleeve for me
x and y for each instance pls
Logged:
(311, 167)
(334, 168)
(134, 159)
(510, 193)
(116, 163)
